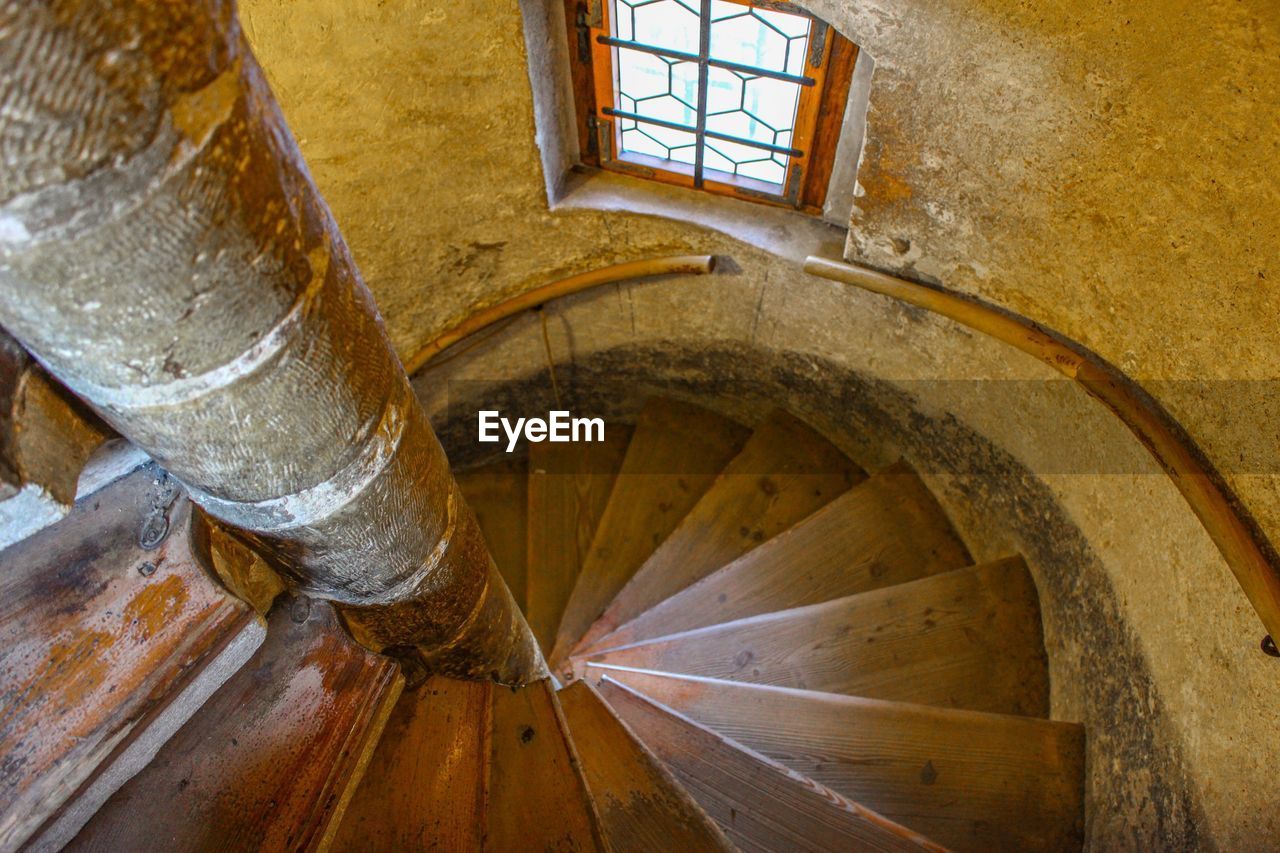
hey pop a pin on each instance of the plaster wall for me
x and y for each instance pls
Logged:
(1106, 169)
(1102, 168)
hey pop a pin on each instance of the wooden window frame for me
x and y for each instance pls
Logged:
(816, 133)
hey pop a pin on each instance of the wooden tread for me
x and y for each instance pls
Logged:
(676, 452)
(968, 780)
(569, 485)
(106, 649)
(269, 761)
(759, 803)
(498, 495)
(885, 531)
(641, 805)
(964, 639)
(538, 799)
(425, 785)
(784, 472)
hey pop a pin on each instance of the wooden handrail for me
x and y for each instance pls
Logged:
(675, 265)
(1245, 547)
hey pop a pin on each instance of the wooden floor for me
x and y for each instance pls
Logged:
(759, 646)
(269, 762)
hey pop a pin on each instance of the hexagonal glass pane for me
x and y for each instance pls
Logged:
(745, 161)
(671, 24)
(721, 10)
(741, 125)
(635, 141)
(641, 75)
(796, 58)
(767, 110)
(791, 26)
(685, 153)
(667, 108)
(657, 87)
(768, 170)
(684, 83)
(713, 160)
(724, 90)
(744, 36)
(661, 142)
(772, 102)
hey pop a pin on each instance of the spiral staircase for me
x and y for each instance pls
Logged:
(756, 645)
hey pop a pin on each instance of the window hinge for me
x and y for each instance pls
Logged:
(583, 23)
(593, 137)
(817, 44)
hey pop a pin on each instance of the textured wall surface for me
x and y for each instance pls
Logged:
(1106, 169)
(416, 119)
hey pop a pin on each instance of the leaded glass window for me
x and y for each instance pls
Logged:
(724, 95)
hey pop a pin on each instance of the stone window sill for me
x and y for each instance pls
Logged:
(788, 234)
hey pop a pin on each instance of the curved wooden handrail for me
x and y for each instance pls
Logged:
(1245, 547)
(675, 265)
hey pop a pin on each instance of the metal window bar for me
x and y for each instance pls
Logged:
(703, 132)
(680, 55)
(705, 63)
(704, 80)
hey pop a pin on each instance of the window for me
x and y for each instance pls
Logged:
(729, 96)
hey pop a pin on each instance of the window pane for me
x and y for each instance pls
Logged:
(740, 104)
(744, 161)
(724, 91)
(791, 26)
(758, 37)
(768, 169)
(772, 102)
(672, 24)
(657, 87)
(756, 108)
(661, 142)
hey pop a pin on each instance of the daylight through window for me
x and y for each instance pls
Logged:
(733, 97)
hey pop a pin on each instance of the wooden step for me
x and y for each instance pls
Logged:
(425, 785)
(965, 639)
(676, 452)
(641, 805)
(886, 531)
(47, 436)
(498, 495)
(106, 648)
(269, 761)
(759, 803)
(968, 780)
(785, 472)
(569, 485)
(538, 799)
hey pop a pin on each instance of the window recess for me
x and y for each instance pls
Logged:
(727, 96)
